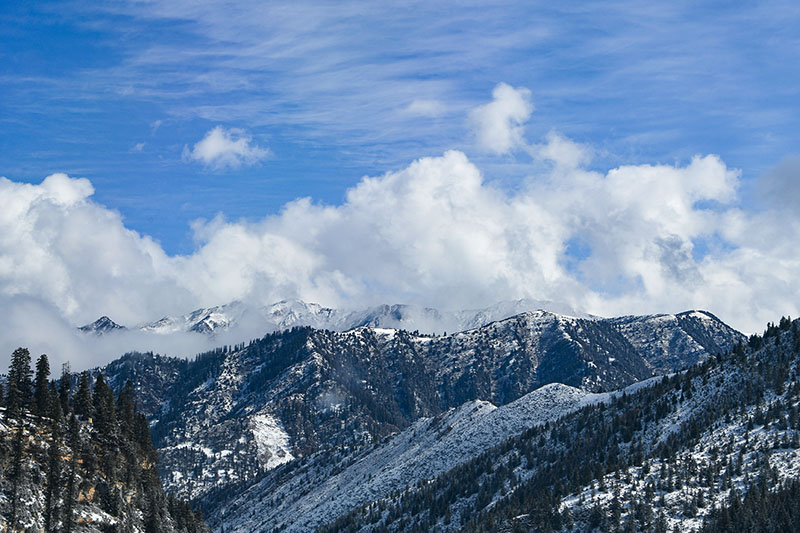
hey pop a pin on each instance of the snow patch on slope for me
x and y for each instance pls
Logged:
(271, 441)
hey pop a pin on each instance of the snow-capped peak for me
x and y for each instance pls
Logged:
(204, 320)
(101, 326)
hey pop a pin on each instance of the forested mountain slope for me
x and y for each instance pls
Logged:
(80, 462)
(681, 451)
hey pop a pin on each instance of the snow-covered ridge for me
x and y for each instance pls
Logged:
(427, 449)
(250, 321)
(290, 313)
(206, 320)
(693, 334)
(430, 447)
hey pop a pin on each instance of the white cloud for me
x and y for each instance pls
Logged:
(58, 246)
(226, 148)
(138, 147)
(499, 124)
(434, 233)
(651, 238)
(562, 151)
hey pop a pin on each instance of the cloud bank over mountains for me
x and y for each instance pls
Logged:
(634, 239)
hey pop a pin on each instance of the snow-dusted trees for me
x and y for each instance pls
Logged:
(18, 393)
(83, 398)
(56, 469)
(41, 395)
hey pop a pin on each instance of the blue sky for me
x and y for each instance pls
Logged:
(113, 91)
(157, 156)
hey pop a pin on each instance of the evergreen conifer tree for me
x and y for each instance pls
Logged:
(64, 385)
(83, 398)
(54, 403)
(18, 395)
(41, 397)
(72, 474)
(104, 409)
(126, 410)
(52, 491)
(16, 472)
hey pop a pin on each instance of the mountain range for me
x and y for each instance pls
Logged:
(286, 314)
(532, 421)
(304, 425)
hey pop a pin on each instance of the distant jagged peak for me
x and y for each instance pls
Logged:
(206, 320)
(102, 326)
(533, 318)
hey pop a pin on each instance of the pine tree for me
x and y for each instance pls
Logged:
(52, 492)
(661, 525)
(72, 474)
(16, 471)
(54, 403)
(104, 409)
(64, 385)
(41, 397)
(141, 435)
(18, 395)
(152, 520)
(126, 410)
(83, 398)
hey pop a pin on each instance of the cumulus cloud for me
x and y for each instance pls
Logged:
(499, 124)
(58, 246)
(634, 239)
(225, 148)
(561, 151)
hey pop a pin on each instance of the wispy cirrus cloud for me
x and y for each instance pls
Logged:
(356, 86)
(342, 72)
(426, 108)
